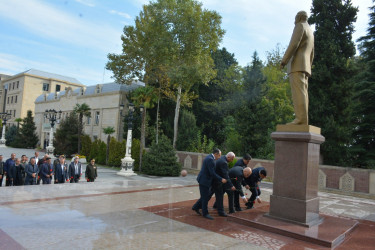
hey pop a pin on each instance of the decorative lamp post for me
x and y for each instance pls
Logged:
(4, 117)
(127, 161)
(141, 108)
(52, 115)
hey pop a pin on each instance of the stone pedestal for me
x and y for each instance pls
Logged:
(126, 166)
(295, 188)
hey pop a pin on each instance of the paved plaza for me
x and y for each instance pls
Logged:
(141, 212)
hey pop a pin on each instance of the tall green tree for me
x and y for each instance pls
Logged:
(188, 130)
(65, 139)
(176, 36)
(213, 101)
(108, 131)
(254, 116)
(11, 135)
(330, 88)
(27, 132)
(82, 110)
(363, 147)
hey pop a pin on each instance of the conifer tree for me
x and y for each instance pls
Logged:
(364, 134)
(27, 136)
(330, 88)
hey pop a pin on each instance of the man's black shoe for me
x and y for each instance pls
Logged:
(232, 212)
(223, 215)
(207, 216)
(249, 207)
(197, 210)
(238, 209)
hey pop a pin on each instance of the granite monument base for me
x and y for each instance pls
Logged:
(295, 189)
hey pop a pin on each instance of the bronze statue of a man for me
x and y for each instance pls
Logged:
(299, 57)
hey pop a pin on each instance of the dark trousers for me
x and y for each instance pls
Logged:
(1, 181)
(219, 195)
(7, 180)
(255, 191)
(46, 180)
(75, 178)
(30, 181)
(236, 195)
(203, 201)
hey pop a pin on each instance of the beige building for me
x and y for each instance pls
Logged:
(18, 92)
(103, 99)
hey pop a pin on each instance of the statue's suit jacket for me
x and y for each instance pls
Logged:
(300, 52)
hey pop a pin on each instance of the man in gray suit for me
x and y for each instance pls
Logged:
(299, 57)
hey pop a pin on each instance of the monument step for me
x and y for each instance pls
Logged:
(330, 233)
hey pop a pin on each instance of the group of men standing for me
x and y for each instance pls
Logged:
(216, 178)
(21, 171)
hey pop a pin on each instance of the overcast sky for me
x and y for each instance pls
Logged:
(73, 37)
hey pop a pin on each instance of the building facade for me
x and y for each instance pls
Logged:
(103, 99)
(18, 92)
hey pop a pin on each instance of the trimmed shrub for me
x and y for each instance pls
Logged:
(161, 159)
(116, 152)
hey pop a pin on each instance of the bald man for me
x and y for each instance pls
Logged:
(299, 57)
(237, 174)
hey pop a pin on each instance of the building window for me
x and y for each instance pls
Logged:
(11, 99)
(98, 89)
(45, 86)
(97, 116)
(88, 120)
(58, 87)
(14, 114)
(15, 100)
(8, 99)
(18, 84)
(14, 84)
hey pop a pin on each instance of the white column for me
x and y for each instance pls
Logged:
(2, 140)
(127, 161)
(50, 147)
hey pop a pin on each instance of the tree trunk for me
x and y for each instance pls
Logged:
(157, 120)
(142, 144)
(79, 132)
(176, 115)
(107, 152)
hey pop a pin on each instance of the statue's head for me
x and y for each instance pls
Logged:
(301, 17)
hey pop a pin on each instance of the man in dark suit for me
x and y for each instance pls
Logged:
(46, 170)
(10, 162)
(32, 171)
(205, 177)
(61, 171)
(75, 170)
(16, 173)
(253, 181)
(244, 161)
(237, 174)
(40, 163)
(1, 170)
(220, 188)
